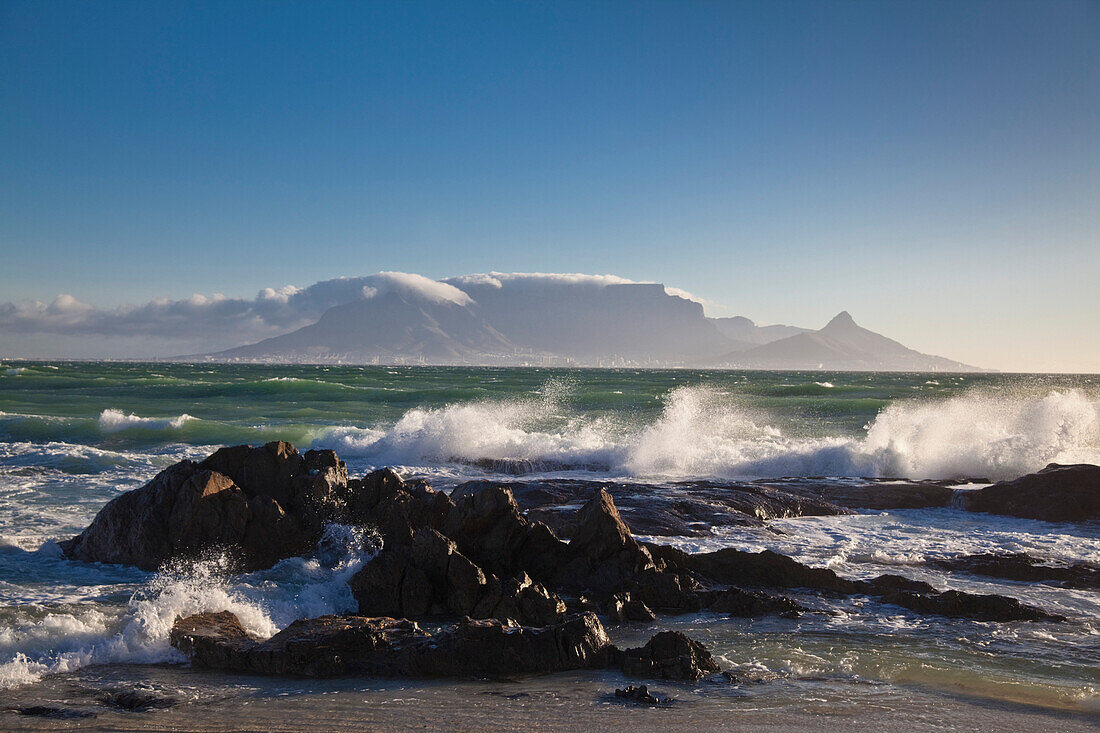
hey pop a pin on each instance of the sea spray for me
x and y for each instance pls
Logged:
(67, 638)
(706, 433)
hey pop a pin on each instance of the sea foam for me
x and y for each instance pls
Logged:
(701, 432)
(113, 421)
(61, 641)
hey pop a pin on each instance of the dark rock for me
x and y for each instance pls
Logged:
(487, 525)
(138, 701)
(958, 604)
(677, 509)
(889, 583)
(750, 604)
(51, 711)
(385, 647)
(764, 569)
(394, 507)
(870, 493)
(278, 510)
(431, 577)
(669, 655)
(605, 556)
(621, 607)
(1021, 566)
(642, 696)
(1055, 494)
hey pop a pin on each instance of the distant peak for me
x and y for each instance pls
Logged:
(840, 320)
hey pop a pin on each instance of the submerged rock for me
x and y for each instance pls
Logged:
(136, 701)
(642, 696)
(1055, 494)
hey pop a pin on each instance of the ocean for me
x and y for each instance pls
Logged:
(75, 434)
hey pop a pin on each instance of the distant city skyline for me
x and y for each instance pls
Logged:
(932, 168)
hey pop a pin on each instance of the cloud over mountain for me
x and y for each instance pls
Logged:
(494, 317)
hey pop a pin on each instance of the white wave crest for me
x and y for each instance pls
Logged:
(114, 421)
(706, 433)
(265, 601)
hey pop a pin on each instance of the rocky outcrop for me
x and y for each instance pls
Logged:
(681, 509)
(671, 656)
(1055, 494)
(764, 569)
(430, 577)
(1023, 567)
(331, 646)
(258, 504)
(957, 604)
(475, 554)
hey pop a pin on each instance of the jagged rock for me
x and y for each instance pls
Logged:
(385, 647)
(394, 507)
(487, 525)
(765, 569)
(605, 556)
(1021, 566)
(958, 604)
(260, 504)
(430, 576)
(687, 508)
(889, 583)
(642, 696)
(621, 607)
(750, 604)
(669, 655)
(1055, 494)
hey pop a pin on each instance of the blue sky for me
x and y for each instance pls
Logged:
(934, 168)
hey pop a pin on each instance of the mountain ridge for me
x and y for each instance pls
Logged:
(500, 319)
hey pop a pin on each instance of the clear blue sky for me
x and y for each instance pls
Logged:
(933, 167)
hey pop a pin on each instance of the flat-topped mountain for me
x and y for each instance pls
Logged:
(576, 320)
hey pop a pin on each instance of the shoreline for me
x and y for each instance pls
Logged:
(576, 701)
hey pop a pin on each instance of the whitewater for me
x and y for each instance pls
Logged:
(74, 435)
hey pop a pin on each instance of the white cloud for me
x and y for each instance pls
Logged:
(220, 321)
(412, 285)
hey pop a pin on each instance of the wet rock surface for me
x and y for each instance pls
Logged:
(669, 655)
(513, 595)
(640, 695)
(137, 701)
(260, 504)
(681, 509)
(1023, 567)
(330, 646)
(957, 604)
(1056, 494)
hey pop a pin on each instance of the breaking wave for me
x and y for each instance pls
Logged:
(63, 638)
(705, 433)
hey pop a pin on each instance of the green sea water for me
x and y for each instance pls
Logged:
(75, 434)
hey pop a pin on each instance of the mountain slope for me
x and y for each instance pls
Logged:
(746, 334)
(389, 326)
(840, 345)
